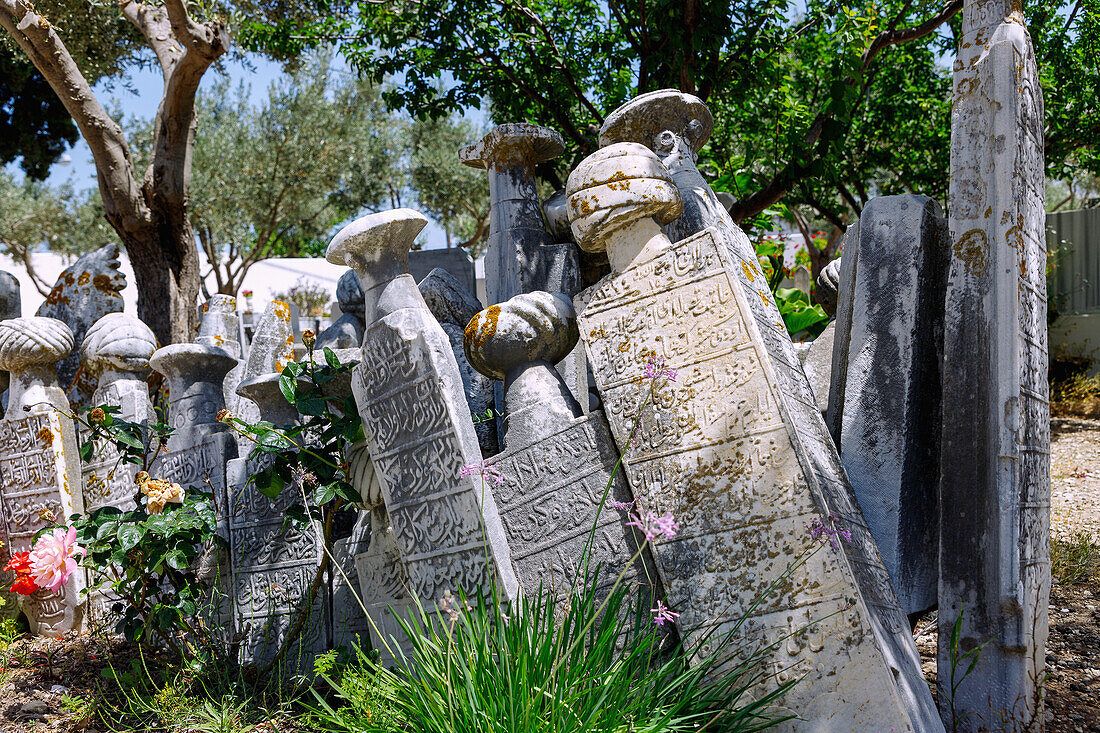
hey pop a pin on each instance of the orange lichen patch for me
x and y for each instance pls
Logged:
(290, 341)
(988, 211)
(748, 271)
(971, 250)
(477, 332)
(624, 346)
(279, 366)
(84, 278)
(102, 283)
(282, 311)
(597, 333)
(764, 297)
(46, 436)
(219, 339)
(56, 295)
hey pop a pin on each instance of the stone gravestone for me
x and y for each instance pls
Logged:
(995, 454)
(86, 290)
(557, 462)
(10, 307)
(884, 404)
(347, 331)
(737, 451)
(39, 458)
(417, 423)
(453, 306)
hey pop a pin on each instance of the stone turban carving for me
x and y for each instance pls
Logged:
(349, 293)
(530, 327)
(616, 186)
(34, 341)
(828, 283)
(118, 341)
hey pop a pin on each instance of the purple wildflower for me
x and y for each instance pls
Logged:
(662, 613)
(655, 369)
(820, 531)
(622, 505)
(302, 477)
(654, 526)
(478, 468)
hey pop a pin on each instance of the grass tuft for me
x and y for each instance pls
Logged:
(1075, 559)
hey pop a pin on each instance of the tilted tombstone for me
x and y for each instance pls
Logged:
(10, 307)
(995, 454)
(884, 403)
(115, 353)
(86, 290)
(39, 458)
(417, 423)
(739, 457)
(453, 306)
(557, 462)
(347, 331)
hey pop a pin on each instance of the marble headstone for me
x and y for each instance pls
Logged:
(347, 331)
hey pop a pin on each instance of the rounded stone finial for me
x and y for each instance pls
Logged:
(828, 283)
(33, 341)
(647, 117)
(377, 246)
(556, 212)
(616, 186)
(349, 293)
(527, 328)
(118, 341)
(513, 144)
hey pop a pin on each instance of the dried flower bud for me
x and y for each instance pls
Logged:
(308, 337)
(45, 515)
(224, 415)
(97, 415)
(141, 478)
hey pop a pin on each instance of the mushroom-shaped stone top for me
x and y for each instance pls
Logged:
(118, 341)
(512, 145)
(377, 246)
(447, 299)
(527, 328)
(34, 341)
(349, 293)
(644, 119)
(616, 186)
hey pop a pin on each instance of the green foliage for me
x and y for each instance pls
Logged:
(143, 557)
(34, 125)
(960, 665)
(1075, 559)
(306, 294)
(799, 315)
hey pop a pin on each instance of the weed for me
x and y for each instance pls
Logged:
(1075, 559)
(957, 659)
(1076, 394)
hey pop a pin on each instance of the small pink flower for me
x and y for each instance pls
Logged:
(478, 468)
(52, 559)
(621, 505)
(662, 614)
(820, 531)
(655, 369)
(654, 526)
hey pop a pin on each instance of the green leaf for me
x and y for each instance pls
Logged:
(311, 406)
(330, 357)
(269, 483)
(129, 535)
(288, 384)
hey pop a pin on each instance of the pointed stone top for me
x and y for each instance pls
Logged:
(273, 343)
(616, 186)
(644, 118)
(34, 341)
(530, 327)
(447, 299)
(377, 246)
(118, 341)
(219, 326)
(512, 145)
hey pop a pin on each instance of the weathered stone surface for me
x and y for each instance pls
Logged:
(115, 353)
(453, 306)
(384, 588)
(884, 406)
(39, 458)
(85, 291)
(347, 331)
(817, 361)
(828, 286)
(271, 349)
(417, 422)
(736, 449)
(11, 304)
(557, 462)
(995, 459)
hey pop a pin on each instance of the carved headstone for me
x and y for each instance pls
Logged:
(995, 454)
(347, 331)
(884, 406)
(817, 362)
(39, 458)
(453, 306)
(736, 449)
(417, 423)
(86, 290)
(10, 307)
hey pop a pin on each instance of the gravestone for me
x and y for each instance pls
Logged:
(39, 459)
(995, 453)
(557, 462)
(737, 451)
(346, 332)
(884, 405)
(10, 307)
(86, 290)
(417, 423)
(115, 353)
(453, 306)
(817, 362)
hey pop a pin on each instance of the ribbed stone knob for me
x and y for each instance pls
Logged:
(118, 341)
(34, 341)
(527, 328)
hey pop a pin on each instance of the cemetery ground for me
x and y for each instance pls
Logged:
(77, 684)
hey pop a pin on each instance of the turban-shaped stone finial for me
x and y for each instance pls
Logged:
(615, 187)
(34, 341)
(118, 341)
(530, 327)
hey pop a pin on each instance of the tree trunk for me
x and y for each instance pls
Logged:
(166, 274)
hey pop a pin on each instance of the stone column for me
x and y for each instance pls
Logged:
(884, 404)
(557, 462)
(738, 456)
(417, 422)
(39, 458)
(995, 455)
(115, 353)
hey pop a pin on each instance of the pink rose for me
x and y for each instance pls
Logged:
(53, 558)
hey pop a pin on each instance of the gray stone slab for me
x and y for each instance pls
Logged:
(455, 261)
(817, 363)
(995, 454)
(884, 407)
(347, 330)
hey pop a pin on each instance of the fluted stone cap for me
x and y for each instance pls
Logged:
(118, 341)
(529, 327)
(33, 341)
(377, 246)
(447, 299)
(349, 293)
(616, 186)
(193, 361)
(645, 117)
(513, 144)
